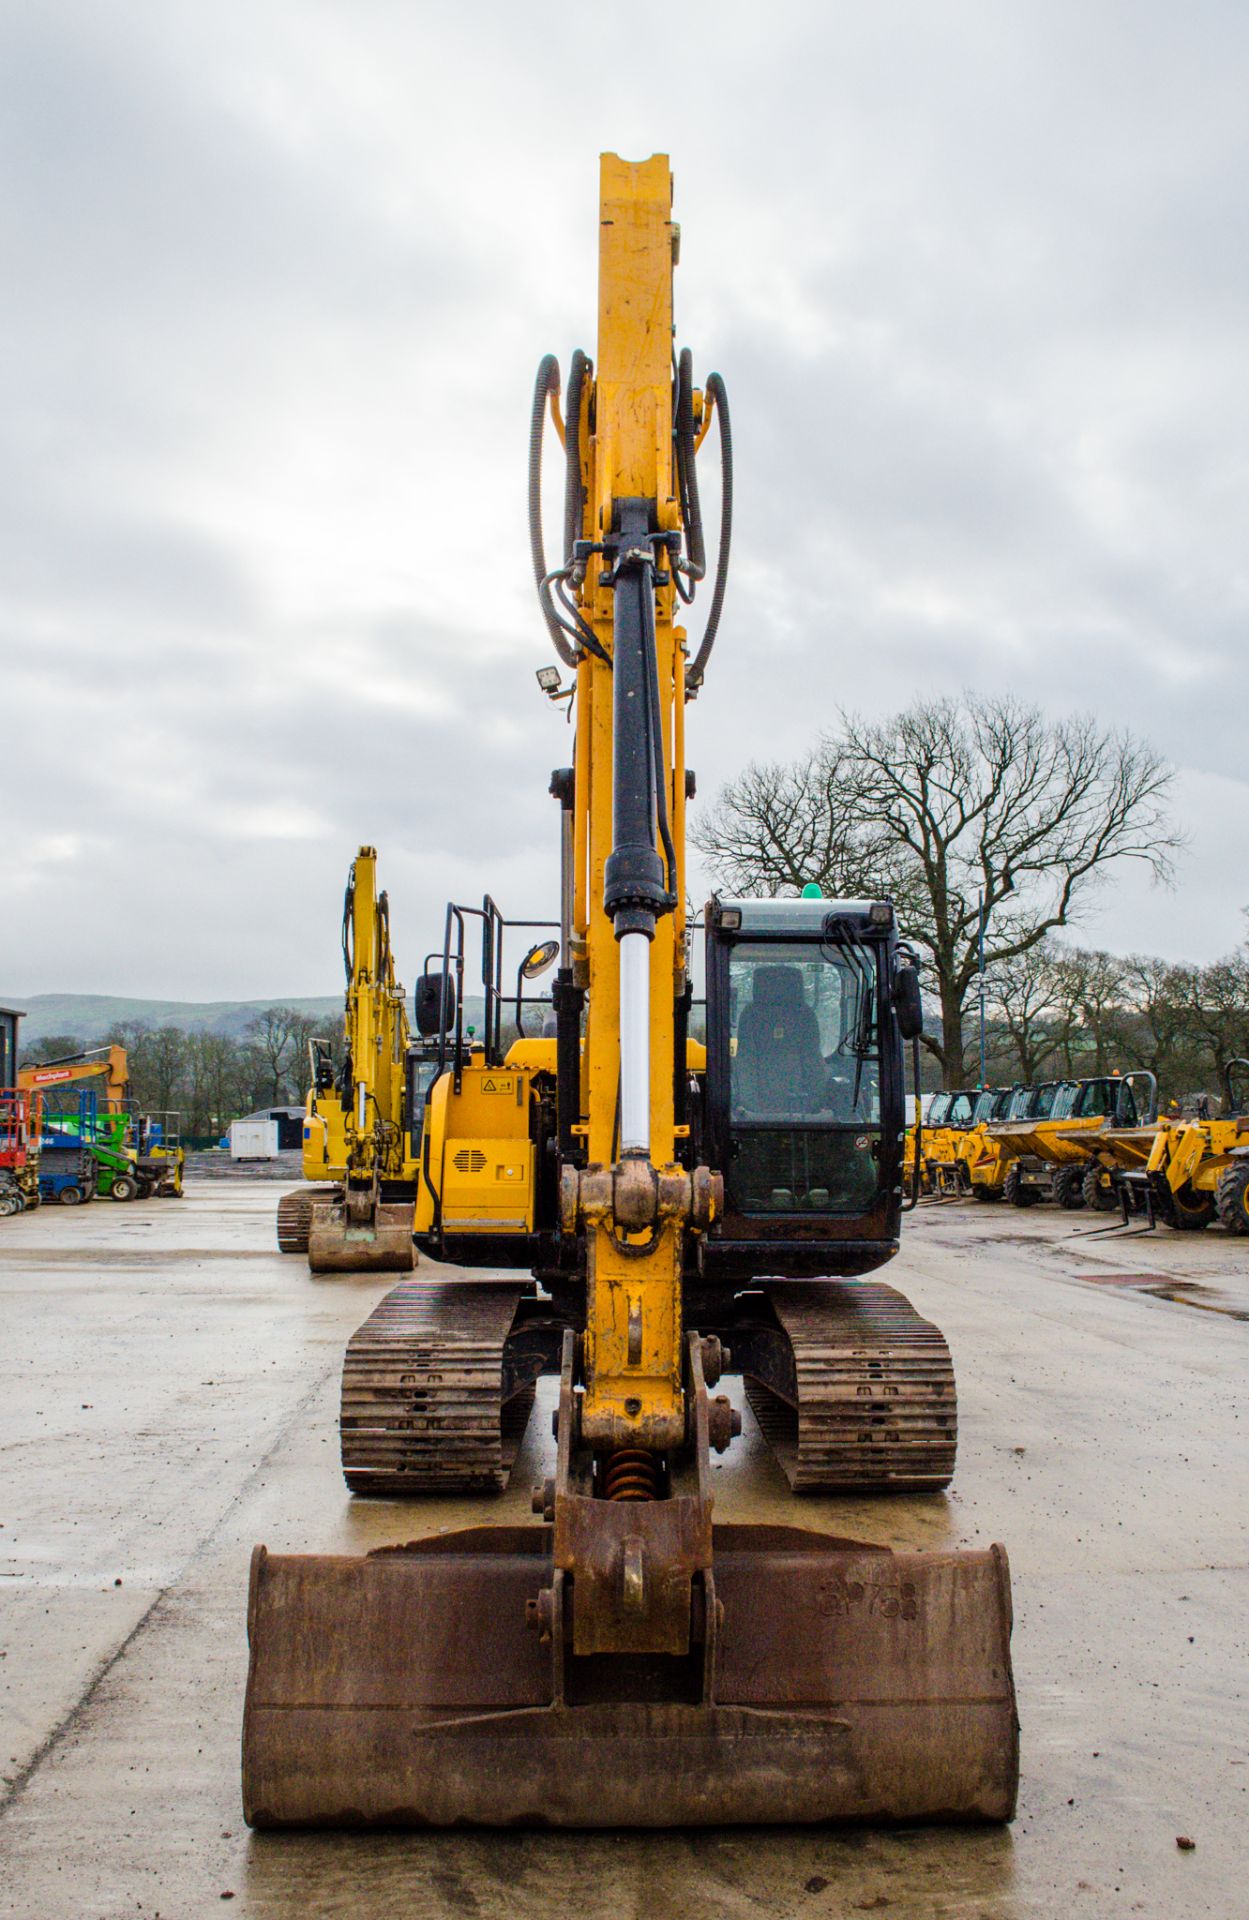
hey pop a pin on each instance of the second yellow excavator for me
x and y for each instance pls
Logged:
(667, 1212)
(359, 1143)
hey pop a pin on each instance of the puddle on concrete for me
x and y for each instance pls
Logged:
(1181, 1293)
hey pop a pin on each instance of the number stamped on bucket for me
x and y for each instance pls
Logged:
(884, 1600)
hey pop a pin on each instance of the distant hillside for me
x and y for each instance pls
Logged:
(88, 1016)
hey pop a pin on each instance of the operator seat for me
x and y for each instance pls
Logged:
(779, 1067)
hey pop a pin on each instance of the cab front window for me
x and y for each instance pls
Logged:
(804, 1077)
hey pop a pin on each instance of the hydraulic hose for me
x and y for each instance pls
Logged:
(546, 387)
(574, 634)
(349, 898)
(574, 484)
(715, 392)
(687, 480)
(383, 936)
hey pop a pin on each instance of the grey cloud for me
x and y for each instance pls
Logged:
(276, 282)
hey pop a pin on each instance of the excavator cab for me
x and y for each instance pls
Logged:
(805, 1090)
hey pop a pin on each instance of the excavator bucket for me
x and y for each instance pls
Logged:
(849, 1683)
(383, 1245)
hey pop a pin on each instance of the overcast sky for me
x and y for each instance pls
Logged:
(276, 279)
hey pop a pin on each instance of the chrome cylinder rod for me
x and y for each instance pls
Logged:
(567, 870)
(635, 1047)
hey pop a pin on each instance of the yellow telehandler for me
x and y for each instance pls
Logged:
(1002, 1139)
(667, 1212)
(1043, 1154)
(1111, 1151)
(1198, 1169)
(967, 1142)
(949, 1118)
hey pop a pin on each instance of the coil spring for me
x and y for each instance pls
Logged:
(631, 1473)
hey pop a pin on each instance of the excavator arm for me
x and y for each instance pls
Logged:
(629, 927)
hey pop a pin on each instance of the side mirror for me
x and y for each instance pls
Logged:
(538, 959)
(908, 1002)
(428, 1005)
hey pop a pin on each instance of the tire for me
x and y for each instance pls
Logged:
(1096, 1192)
(1191, 1212)
(1231, 1198)
(1069, 1187)
(70, 1196)
(984, 1194)
(10, 1203)
(124, 1188)
(1015, 1193)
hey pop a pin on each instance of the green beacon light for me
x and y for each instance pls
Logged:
(813, 891)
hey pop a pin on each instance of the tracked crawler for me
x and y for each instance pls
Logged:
(688, 1205)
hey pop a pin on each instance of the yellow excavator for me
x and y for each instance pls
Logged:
(670, 1211)
(359, 1145)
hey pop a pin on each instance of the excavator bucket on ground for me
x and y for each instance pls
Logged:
(629, 1664)
(382, 1244)
(844, 1683)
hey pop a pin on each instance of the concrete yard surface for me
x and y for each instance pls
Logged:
(168, 1398)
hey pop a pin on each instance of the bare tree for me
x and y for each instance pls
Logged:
(57, 1046)
(156, 1059)
(1158, 996)
(280, 1036)
(166, 1066)
(939, 805)
(1090, 987)
(1023, 997)
(216, 1082)
(1219, 1008)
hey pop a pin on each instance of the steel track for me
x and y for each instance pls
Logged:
(422, 1405)
(295, 1218)
(876, 1409)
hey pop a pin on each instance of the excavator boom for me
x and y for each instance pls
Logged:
(106, 1063)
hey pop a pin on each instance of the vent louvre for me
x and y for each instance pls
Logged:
(469, 1160)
